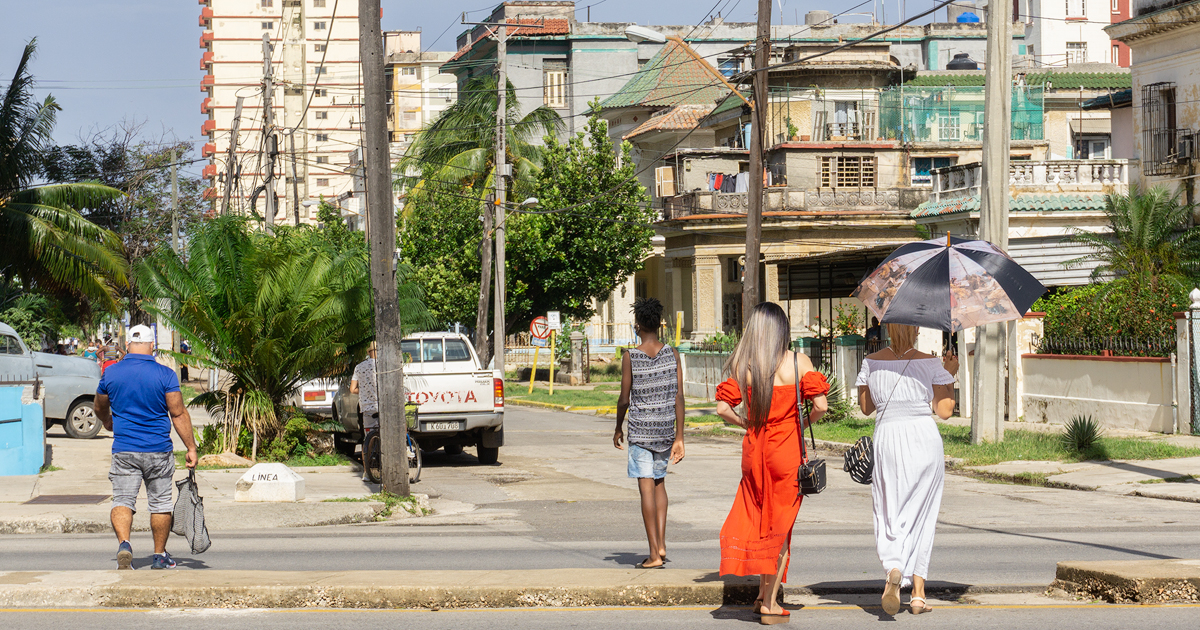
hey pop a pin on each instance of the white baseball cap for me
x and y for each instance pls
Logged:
(141, 334)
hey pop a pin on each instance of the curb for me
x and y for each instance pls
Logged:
(1132, 581)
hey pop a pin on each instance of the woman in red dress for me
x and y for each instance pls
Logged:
(756, 537)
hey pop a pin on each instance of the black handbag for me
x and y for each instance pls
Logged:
(860, 460)
(812, 472)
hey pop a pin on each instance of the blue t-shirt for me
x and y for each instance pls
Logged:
(137, 389)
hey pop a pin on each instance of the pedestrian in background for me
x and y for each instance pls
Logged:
(652, 399)
(757, 534)
(899, 384)
(139, 400)
(363, 383)
(113, 357)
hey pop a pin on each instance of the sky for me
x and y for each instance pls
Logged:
(108, 61)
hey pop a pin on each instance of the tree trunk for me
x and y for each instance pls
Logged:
(482, 347)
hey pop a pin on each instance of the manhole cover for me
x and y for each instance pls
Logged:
(68, 499)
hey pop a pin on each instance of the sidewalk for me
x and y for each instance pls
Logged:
(77, 498)
(1140, 581)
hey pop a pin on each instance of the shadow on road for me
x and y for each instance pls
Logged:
(1132, 552)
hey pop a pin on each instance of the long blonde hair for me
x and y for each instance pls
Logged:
(902, 335)
(756, 356)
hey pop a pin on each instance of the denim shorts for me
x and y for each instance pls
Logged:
(646, 464)
(130, 469)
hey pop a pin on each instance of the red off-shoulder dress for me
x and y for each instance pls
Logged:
(768, 500)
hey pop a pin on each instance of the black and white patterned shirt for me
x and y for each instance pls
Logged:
(368, 399)
(652, 399)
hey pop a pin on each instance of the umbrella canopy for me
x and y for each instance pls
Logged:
(949, 284)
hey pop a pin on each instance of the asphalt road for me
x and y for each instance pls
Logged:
(560, 499)
(1069, 617)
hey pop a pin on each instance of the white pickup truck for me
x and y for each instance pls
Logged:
(460, 402)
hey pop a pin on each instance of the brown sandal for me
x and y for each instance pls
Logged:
(891, 592)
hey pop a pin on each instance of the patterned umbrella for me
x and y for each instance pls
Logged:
(949, 284)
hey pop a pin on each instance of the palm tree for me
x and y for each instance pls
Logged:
(271, 311)
(455, 154)
(1150, 240)
(44, 241)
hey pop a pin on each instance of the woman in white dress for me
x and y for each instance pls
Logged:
(905, 386)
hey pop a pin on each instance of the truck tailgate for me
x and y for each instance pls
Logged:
(452, 392)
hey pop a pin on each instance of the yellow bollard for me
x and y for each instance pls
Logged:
(552, 362)
(533, 374)
(678, 327)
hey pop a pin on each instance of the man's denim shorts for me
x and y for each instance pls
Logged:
(130, 469)
(646, 464)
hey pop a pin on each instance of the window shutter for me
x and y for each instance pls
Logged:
(664, 181)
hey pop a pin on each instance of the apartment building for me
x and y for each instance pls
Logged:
(316, 101)
(418, 90)
(1069, 32)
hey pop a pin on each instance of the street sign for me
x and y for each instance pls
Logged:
(539, 328)
(554, 320)
(539, 342)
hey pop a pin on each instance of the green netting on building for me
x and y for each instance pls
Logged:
(954, 113)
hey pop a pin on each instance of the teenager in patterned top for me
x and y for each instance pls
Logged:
(652, 398)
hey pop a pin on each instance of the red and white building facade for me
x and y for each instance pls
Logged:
(1068, 32)
(316, 98)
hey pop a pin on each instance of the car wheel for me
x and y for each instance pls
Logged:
(453, 449)
(488, 456)
(81, 422)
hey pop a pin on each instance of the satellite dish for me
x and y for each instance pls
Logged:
(639, 34)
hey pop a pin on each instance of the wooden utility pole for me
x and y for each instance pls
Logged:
(295, 179)
(231, 170)
(270, 145)
(175, 202)
(501, 170)
(381, 216)
(485, 277)
(991, 392)
(762, 58)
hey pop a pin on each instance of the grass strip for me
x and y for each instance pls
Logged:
(390, 503)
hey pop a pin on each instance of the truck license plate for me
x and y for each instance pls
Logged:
(443, 426)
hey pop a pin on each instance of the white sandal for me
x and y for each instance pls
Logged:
(924, 608)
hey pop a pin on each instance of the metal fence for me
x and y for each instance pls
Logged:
(1105, 346)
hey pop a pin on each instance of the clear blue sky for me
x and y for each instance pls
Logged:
(111, 60)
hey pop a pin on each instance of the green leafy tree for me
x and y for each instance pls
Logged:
(593, 234)
(46, 245)
(271, 311)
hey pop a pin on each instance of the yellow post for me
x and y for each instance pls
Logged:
(552, 362)
(533, 374)
(678, 327)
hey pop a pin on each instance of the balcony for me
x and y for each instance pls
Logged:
(786, 199)
(205, 105)
(207, 82)
(965, 180)
(208, 127)
(208, 150)
(206, 14)
(206, 39)
(206, 60)
(209, 172)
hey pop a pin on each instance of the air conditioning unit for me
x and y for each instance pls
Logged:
(1184, 147)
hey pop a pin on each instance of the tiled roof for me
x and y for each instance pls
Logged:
(1059, 80)
(676, 118)
(1024, 202)
(1115, 100)
(675, 76)
(553, 26)
(731, 103)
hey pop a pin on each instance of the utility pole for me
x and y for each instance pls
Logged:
(501, 171)
(231, 170)
(270, 144)
(485, 276)
(174, 202)
(295, 180)
(381, 216)
(991, 347)
(762, 58)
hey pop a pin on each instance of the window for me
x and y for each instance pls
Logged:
(1076, 52)
(1159, 133)
(322, 115)
(320, 70)
(848, 172)
(267, 4)
(447, 94)
(949, 129)
(733, 270)
(322, 159)
(322, 137)
(1077, 8)
(318, 26)
(318, 47)
(408, 71)
(321, 92)
(845, 120)
(431, 350)
(319, 4)
(554, 83)
(456, 350)
(267, 26)
(664, 181)
(728, 66)
(922, 167)
(9, 345)
(1116, 54)
(1116, 6)
(322, 181)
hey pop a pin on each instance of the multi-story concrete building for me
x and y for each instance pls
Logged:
(1068, 32)
(419, 91)
(316, 99)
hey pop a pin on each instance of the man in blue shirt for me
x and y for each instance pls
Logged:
(138, 400)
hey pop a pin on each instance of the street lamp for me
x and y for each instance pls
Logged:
(639, 34)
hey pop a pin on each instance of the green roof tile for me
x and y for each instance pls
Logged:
(1023, 202)
(1060, 80)
(672, 77)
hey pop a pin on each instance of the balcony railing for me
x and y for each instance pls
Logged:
(964, 180)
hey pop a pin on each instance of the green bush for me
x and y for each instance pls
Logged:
(1112, 309)
(839, 407)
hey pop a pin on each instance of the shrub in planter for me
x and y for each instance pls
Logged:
(1113, 309)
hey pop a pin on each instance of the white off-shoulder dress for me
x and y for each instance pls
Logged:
(910, 469)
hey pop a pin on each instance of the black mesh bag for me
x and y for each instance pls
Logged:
(860, 460)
